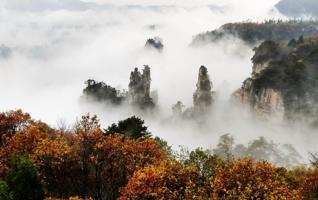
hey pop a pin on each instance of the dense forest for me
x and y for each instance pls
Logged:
(124, 161)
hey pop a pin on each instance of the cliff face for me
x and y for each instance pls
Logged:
(263, 102)
(139, 88)
(269, 101)
(285, 82)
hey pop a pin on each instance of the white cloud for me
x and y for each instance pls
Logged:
(68, 41)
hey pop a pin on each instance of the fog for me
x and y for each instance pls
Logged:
(56, 45)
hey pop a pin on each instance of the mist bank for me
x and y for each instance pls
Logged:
(212, 114)
(54, 51)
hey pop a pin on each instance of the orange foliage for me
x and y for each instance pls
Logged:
(12, 122)
(116, 158)
(87, 163)
(245, 179)
(23, 143)
(169, 180)
(309, 189)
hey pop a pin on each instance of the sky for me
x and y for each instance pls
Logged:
(56, 45)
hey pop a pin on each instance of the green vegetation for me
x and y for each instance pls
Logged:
(292, 70)
(22, 181)
(132, 127)
(4, 191)
(99, 91)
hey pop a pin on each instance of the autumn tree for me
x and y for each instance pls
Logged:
(169, 180)
(59, 166)
(88, 163)
(245, 179)
(12, 122)
(309, 189)
(23, 143)
(116, 158)
(88, 133)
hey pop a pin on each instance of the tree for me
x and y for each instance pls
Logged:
(132, 127)
(12, 122)
(266, 51)
(205, 162)
(23, 180)
(314, 159)
(4, 191)
(58, 165)
(225, 147)
(88, 133)
(100, 91)
(165, 146)
(169, 180)
(22, 143)
(309, 189)
(115, 159)
(245, 179)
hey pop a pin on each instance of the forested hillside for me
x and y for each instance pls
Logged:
(253, 32)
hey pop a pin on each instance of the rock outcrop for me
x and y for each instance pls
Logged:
(283, 83)
(265, 101)
(154, 43)
(139, 88)
(138, 94)
(101, 92)
(202, 97)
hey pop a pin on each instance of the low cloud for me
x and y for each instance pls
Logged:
(56, 45)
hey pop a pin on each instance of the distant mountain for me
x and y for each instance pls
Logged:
(297, 8)
(253, 33)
